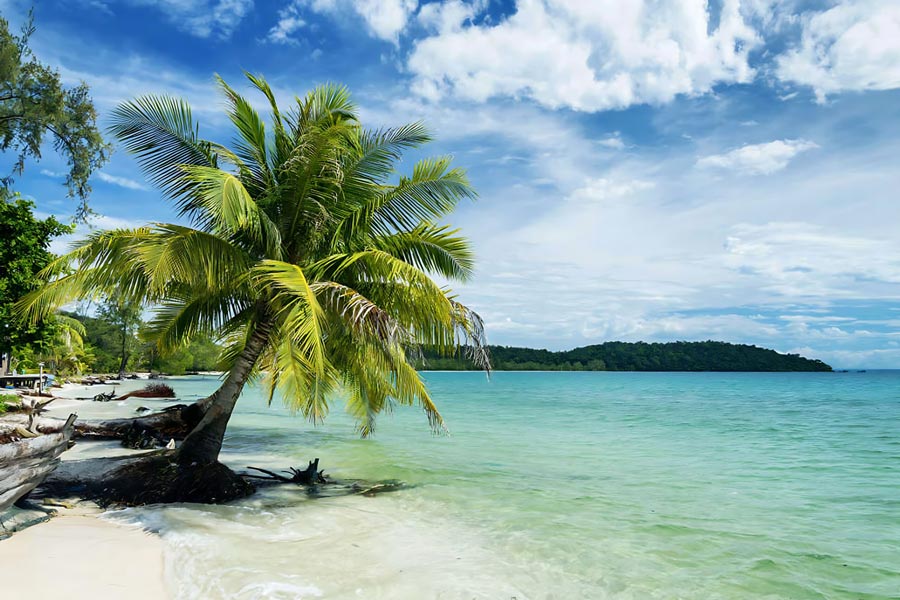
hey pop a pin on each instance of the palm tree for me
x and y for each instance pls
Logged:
(67, 350)
(304, 251)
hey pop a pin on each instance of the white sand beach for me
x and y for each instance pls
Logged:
(79, 556)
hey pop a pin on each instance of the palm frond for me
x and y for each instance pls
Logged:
(161, 132)
(433, 191)
(229, 210)
(280, 147)
(177, 321)
(438, 250)
(251, 144)
(301, 315)
(103, 264)
(174, 255)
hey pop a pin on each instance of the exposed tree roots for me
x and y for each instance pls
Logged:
(157, 477)
(160, 478)
(311, 475)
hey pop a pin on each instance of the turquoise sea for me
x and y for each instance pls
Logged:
(567, 485)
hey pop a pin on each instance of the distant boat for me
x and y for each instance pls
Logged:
(26, 463)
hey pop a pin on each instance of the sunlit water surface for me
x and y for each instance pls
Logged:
(563, 485)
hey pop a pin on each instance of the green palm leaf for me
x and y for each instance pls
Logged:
(161, 131)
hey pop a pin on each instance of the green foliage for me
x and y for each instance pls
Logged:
(306, 255)
(101, 352)
(23, 254)
(124, 316)
(6, 401)
(34, 103)
(102, 342)
(202, 354)
(639, 356)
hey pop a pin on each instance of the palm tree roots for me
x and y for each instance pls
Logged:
(161, 478)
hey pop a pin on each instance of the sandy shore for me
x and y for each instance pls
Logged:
(80, 556)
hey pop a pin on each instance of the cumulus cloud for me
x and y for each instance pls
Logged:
(587, 56)
(203, 18)
(853, 46)
(289, 21)
(385, 19)
(757, 159)
(449, 16)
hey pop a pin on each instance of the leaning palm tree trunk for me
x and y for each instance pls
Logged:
(204, 442)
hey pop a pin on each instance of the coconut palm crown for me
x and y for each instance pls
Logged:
(305, 252)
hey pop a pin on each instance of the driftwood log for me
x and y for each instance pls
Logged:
(311, 475)
(174, 422)
(319, 486)
(26, 463)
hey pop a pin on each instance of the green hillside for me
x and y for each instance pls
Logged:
(637, 356)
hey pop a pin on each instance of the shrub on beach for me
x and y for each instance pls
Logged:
(6, 400)
(151, 390)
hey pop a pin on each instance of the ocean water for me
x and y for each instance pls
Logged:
(563, 486)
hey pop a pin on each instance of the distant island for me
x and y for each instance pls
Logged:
(635, 356)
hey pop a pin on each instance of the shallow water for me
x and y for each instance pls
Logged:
(566, 485)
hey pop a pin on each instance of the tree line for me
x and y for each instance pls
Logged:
(111, 340)
(637, 356)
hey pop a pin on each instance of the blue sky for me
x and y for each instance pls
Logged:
(648, 170)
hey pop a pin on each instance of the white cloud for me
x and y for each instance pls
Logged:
(600, 189)
(559, 152)
(203, 18)
(757, 159)
(797, 259)
(385, 19)
(449, 16)
(852, 46)
(636, 246)
(884, 358)
(289, 21)
(123, 182)
(588, 56)
(678, 327)
(124, 77)
(614, 142)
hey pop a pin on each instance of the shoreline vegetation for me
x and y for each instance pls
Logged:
(634, 356)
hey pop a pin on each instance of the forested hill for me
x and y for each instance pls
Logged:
(639, 356)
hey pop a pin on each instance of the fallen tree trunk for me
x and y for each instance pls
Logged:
(26, 463)
(174, 422)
